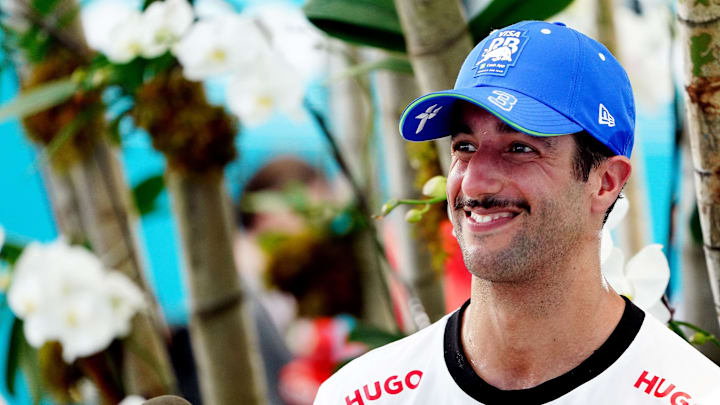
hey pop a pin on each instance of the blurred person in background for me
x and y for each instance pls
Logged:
(295, 249)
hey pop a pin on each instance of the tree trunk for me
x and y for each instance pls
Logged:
(414, 262)
(697, 301)
(229, 367)
(633, 233)
(700, 33)
(437, 42)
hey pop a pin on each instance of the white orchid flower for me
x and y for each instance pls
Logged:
(126, 300)
(127, 39)
(63, 293)
(272, 86)
(85, 326)
(220, 45)
(644, 278)
(101, 21)
(164, 23)
(292, 36)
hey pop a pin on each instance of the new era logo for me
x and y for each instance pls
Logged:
(605, 118)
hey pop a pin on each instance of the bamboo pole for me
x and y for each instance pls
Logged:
(197, 140)
(438, 41)
(106, 208)
(395, 91)
(351, 113)
(699, 23)
(229, 367)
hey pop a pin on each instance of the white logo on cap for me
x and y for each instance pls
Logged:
(503, 100)
(429, 114)
(605, 118)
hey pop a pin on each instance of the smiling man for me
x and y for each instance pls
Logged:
(541, 120)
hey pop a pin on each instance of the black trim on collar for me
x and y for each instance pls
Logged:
(464, 376)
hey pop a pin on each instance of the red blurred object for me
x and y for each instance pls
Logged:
(457, 277)
(328, 347)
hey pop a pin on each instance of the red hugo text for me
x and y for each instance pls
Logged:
(647, 382)
(393, 385)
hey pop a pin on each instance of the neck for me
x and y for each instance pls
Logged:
(518, 335)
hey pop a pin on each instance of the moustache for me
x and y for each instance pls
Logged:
(488, 202)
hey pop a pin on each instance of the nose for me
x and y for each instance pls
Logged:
(483, 175)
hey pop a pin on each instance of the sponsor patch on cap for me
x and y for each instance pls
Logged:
(500, 53)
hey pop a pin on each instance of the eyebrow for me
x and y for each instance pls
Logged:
(458, 127)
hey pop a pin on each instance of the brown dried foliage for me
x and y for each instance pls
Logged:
(194, 135)
(703, 91)
(44, 126)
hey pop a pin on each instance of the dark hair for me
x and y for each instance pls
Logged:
(589, 153)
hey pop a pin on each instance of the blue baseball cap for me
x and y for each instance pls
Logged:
(543, 79)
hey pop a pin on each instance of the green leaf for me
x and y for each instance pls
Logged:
(13, 356)
(10, 252)
(500, 13)
(38, 99)
(365, 22)
(700, 52)
(676, 328)
(147, 192)
(392, 63)
(376, 23)
(371, 336)
(44, 7)
(29, 364)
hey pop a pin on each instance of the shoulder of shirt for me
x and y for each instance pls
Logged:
(392, 354)
(671, 346)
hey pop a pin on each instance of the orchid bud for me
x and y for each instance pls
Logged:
(388, 207)
(699, 338)
(435, 187)
(414, 215)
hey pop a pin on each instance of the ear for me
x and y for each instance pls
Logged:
(613, 174)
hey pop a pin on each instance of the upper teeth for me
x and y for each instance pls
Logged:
(487, 218)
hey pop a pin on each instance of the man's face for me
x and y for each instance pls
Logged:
(516, 206)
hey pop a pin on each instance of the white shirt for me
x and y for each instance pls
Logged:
(642, 362)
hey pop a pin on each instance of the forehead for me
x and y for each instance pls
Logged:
(468, 119)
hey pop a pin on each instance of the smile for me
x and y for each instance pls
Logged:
(484, 221)
(481, 219)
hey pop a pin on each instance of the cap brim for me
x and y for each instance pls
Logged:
(429, 117)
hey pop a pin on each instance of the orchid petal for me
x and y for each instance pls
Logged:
(648, 272)
(612, 269)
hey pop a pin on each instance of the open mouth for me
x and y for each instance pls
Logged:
(490, 218)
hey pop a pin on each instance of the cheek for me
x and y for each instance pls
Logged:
(454, 180)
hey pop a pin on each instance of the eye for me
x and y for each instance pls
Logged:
(516, 147)
(463, 147)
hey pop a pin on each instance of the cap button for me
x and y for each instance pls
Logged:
(562, 24)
